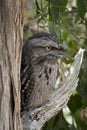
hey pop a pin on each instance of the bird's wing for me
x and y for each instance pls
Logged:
(27, 84)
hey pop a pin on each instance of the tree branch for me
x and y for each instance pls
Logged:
(35, 119)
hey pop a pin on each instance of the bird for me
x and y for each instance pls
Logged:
(39, 69)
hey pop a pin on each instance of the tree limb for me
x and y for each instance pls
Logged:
(35, 119)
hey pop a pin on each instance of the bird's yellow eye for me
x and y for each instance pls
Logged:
(48, 48)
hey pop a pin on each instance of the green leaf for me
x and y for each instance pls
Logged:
(75, 103)
(55, 12)
(50, 14)
(64, 35)
(81, 4)
(59, 2)
(37, 7)
(71, 44)
(52, 28)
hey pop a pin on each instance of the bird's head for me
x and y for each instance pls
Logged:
(42, 47)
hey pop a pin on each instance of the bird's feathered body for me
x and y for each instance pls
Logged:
(39, 69)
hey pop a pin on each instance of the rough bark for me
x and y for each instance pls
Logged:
(11, 26)
(35, 119)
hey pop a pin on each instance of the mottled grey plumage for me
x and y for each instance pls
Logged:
(39, 69)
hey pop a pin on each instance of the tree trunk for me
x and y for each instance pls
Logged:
(11, 30)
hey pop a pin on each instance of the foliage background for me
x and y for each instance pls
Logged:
(67, 19)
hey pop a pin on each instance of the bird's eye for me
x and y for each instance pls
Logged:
(48, 48)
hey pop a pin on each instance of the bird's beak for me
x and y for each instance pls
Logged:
(61, 50)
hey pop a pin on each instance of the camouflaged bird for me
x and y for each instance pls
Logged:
(39, 69)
